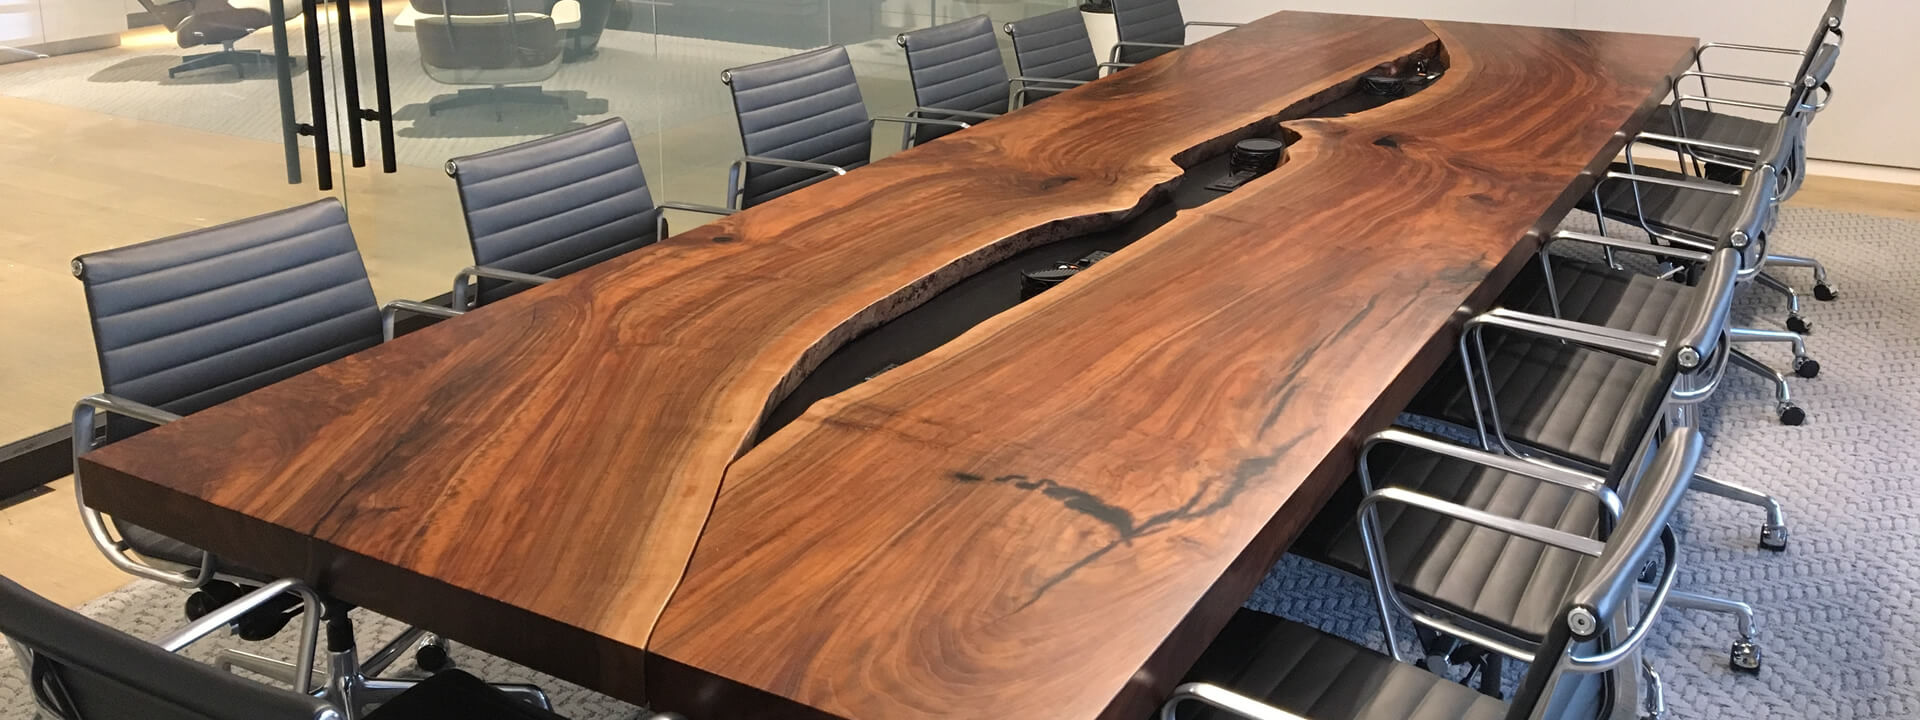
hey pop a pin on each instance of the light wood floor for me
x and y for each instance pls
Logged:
(77, 181)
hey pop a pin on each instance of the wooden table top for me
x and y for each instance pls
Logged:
(1047, 517)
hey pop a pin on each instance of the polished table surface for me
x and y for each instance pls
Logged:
(1047, 517)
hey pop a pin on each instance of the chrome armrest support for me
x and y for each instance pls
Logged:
(390, 310)
(975, 114)
(230, 612)
(1221, 698)
(1622, 343)
(1633, 246)
(85, 413)
(1691, 142)
(1212, 23)
(1017, 97)
(1711, 101)
(908, 123)
(1700, 185)
(460, 300)
(802, 164)
(1566, 477)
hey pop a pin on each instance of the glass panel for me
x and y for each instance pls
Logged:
(467, 76)
(115, 136)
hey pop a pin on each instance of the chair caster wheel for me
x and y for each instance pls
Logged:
(1806, 367)
(1791, 414)
(1745, 657)
(1773, 537)
(1825, 293)
(432, 658)
(1799, 324)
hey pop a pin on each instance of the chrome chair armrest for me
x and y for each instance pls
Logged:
(1621, 343)
(1577, 480)
(1220, 698)
(1711, 101)
(1212, 23)
(736, 178)
(85, 415)
(1625, 647)
(1688, 254)
(390, 310)
(1746, 48)
(1017, 96)
(977, 115)
(1113, 56)
(908, 123)
(230, 612)
(1748, 79)
(696, 207)
(460, 299)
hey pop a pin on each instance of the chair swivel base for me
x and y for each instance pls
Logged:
(353, 685)
(239, 60)
(495, 97)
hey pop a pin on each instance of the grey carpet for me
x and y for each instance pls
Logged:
(1834, 609)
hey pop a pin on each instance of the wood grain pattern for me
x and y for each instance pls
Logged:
(1051, 515)
(532, 478)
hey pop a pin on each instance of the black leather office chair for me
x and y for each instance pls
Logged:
(1694, 116)
(802, 120)
(544, 208)
(189, 321)
(1151, 28)
(1265, 668)
(79, 669)
(957, 74)
(1054, 54)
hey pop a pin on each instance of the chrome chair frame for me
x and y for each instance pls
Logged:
(463, 297)
(1113, 56)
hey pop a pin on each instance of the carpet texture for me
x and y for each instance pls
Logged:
(1833, 610)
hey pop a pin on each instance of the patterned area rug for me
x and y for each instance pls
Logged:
(1833, 610)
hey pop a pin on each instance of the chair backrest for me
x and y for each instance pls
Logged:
(1152, 21)
(955, 66)
(1053, 45)
(804, 107)
(555, 205)
(81, 670)
(485, 35)
(1825, 33)
(1557, 685)
(188, 321)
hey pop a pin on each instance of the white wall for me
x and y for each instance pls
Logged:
(1875, 117)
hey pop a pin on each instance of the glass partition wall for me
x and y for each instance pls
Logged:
(117, 134)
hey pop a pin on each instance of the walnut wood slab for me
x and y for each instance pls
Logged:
(532, 478)
(1050, 516)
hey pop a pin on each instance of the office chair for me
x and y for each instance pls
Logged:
(1694, 116)
(1586, 665)
(803, 117)
(79, 669)
(544, 208)
(1054, 54)
(189, 321)
(507, 46)
(215, 22)
(1151, 28)
(1484, 586)
(1550, 401)
(957, 75)
(1677, 213)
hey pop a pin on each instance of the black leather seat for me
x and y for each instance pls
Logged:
(1323, 677)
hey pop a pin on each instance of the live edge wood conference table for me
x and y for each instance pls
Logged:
(1047, 517)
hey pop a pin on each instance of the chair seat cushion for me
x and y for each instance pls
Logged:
(455, 695)
(1316, 675)
(1557, 397)
(1692, 213)
(1512, 585)
(1700, 123)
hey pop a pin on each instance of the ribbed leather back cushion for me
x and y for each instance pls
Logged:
(188, 321)
(956, 66)
(1053, 45)
(555, 205)
(802, 107)
(1155, 21)
(110, 674)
